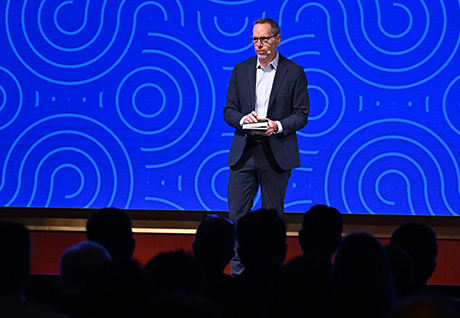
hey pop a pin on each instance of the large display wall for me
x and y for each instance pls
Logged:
(119, 103)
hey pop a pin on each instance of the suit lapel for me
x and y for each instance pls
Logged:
(279, 77)
(252, 81)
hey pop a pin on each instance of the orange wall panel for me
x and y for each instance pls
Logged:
(47, 248)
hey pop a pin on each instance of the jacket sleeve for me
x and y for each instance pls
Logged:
(232, 109)
(299, 101)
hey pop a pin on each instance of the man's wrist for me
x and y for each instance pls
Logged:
(279, 127)
(242, 120)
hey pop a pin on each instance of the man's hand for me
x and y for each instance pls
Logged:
(272, 128)
(251, 118)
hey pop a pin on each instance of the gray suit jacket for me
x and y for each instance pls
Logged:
(289, 103)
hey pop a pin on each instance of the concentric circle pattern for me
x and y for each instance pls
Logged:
(119, 103)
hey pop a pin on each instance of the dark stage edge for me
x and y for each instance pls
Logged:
(186, 222)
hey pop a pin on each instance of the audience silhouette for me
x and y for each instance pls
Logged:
(173, 271)
(78, 265)
(112, 228)
(419, 241)
(117, 290)
(402, 268)
(321, 232)
(213, 247)
(303, 287)
(361, 278)
(262, 248)
(15, 262)
(99, 277)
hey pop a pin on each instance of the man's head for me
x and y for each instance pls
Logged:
(214, 242)
(266, 37)
(321, 231)
(419, 241)
(14, 258)
(112, 228)
(79, 262)
(261, 236)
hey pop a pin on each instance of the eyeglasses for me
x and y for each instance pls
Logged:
(264, 39)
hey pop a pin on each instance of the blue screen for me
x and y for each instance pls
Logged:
(119, 103)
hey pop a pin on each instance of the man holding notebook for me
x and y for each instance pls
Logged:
(268, 91)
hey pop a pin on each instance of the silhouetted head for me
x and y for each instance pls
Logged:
(173, 271)
(261, 236)
(80, 262)
(419, 240)
(14, 258)
(214, 242)
(361, 277)
(117, 290)
(402, 268)
(112, 228)
(321, 231)
(302, 289)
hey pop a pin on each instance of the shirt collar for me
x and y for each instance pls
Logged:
(273, 63)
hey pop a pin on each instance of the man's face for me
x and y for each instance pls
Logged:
(265, 51)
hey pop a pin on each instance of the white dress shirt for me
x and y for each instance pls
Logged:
(264, 83)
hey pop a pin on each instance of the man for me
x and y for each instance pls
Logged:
(112, 228)
(213, 247)
(321, 232)
(265, 86)
(15, 262)
(262, 247)
(302, 287)
(79, 263)
(420, 242)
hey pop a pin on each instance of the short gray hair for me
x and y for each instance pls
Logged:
(275, 27)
